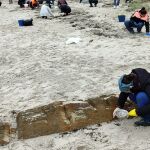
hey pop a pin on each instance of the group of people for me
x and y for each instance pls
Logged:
(138, 19)
(117, 3)
(135, 85)
(45, 11)
(31, 3)
(34, 3)
(62, 5)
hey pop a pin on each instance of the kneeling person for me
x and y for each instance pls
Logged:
(138, 20)
(136, 87)
(45, 11)
(65, 9)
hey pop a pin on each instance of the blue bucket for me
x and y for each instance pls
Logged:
(121, 18)
(21, 22)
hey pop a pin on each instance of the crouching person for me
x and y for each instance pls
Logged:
(21, 3)
(61, 2)
(45, 11)
(138, 20)
(136, 87)
(65, 9)
(33, 4)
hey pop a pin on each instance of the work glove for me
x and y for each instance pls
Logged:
(132, 113)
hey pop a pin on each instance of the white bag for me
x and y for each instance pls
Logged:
(120, 113)
(73, 40)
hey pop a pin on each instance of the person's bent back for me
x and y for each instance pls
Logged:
(65, 9)
(45, 11)
(136, 87)
(62, 2)
(34, 3)
(138, 20)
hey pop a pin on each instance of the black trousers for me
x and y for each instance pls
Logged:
(93, 1)
(45, 17)
(65, 9)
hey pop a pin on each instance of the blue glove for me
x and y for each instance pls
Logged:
(147, 33)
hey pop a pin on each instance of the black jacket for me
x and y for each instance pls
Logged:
(21, 2)
(141, 83)
(65, 9)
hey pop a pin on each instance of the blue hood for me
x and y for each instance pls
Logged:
(124, 87)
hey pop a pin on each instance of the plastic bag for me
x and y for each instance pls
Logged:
(73, 40)
(120, 113)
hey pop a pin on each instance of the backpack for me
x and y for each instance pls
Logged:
(28, 22)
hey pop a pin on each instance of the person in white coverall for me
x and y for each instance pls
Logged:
(45, 11)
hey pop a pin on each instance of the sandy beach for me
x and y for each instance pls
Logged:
(38, 67)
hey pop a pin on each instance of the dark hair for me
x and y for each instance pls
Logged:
(128, 78)
(143, 11)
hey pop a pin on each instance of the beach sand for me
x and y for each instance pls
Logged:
(38, 67)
